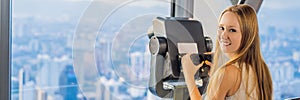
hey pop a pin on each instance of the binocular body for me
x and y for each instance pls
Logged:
(172, 38)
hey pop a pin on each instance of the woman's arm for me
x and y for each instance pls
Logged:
(194, 92)
(189, 70)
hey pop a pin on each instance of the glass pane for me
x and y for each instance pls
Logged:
(208, 15)
(82, 49)
(97, 49)
(279, 31)
(110, 55)
(42, 35)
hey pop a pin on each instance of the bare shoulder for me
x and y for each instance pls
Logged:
(229, 81)
(231, 73)
(232, 78)
(232, 70)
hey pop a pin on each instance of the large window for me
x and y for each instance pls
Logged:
(42, 33)
(280, 33)
(97, 49)
(81, 49)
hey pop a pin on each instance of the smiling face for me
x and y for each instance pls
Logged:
(229, 33)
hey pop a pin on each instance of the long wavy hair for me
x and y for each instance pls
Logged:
(248, 53)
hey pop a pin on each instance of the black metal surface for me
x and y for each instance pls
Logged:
(165, 60)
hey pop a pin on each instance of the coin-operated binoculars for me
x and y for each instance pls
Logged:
(173, 37)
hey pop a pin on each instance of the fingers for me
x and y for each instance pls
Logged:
(208, 63)
(201, 64)
(208, 53)
(185, 58)
(187, 55)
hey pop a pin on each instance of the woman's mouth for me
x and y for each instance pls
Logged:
(225, 42)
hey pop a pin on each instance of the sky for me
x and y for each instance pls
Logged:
(280, 13)
(272, 12)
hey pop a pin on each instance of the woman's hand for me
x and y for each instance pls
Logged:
(189, 69)
(210, 65)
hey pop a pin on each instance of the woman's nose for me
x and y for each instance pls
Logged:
(224, 35)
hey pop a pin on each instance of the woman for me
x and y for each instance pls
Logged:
(245, 75)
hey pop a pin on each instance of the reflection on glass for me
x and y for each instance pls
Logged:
(42, 35)
(121, 50)
(110, 44)
(44, 40)
(279, 31)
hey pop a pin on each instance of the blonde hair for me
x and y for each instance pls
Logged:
(248, 53)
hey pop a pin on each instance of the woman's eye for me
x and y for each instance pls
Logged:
(221, 28)
(232, 30)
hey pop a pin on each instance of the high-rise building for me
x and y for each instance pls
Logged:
(68, 83)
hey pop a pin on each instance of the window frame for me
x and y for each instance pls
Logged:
(5, 48)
